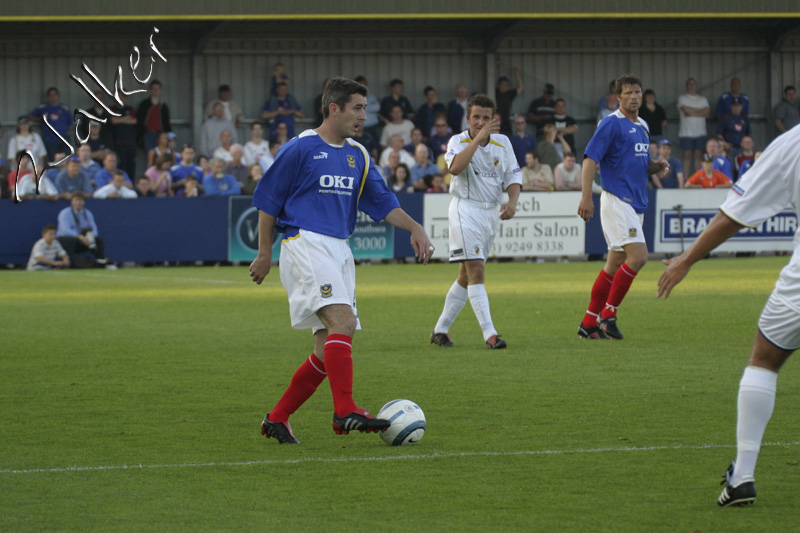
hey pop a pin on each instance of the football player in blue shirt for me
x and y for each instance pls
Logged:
(313, 192)
(621, 147)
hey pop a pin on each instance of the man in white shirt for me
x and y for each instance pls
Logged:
(397, 125)
(256, 147)
(116, 189)
(694, 109)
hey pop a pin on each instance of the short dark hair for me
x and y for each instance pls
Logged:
(557, 100)
(648, 91)
(142, 178)
(395, 81)
(155, 82)
(428, 89)
(224, 88)
(503, 78)
(534, 153)
(361, 79)
(48, 227)
(118, 173)
(273, 143)
(49, 89)
(191, 178)
(480, 100)
(626, 79)
(789, 88)
(339, 91)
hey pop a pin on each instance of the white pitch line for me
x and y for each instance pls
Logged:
(155, 278)
(384, 458)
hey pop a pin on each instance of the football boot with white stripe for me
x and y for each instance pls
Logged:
(280, 431)
(359, 420)
(742, 494)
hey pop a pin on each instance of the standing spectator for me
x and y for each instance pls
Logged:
(278, 76)
(282, 107)
(160, 176)
(725, 102)
(694, 109)
(152, 116)
(186, 168)
(97, 144)
(47, 252)
(745, 158)
(603, 103)
(219, 183)
(373, 109)
(116, 189)
(714, 148)
(457, 110)
(162, 147)
(230, 109)
(397, 125)
(422, 167)
(786, 114)
(553, 147)
(98, 111)
(707, 177)
(566, 126)
(732, 127)
(611, 105)
(318, 106)
(426, 114)
(88, 165)
(123, 130)
(71, 182)
(269, 158)
(144, 188)
(106, 174)
(504, 96)
(25, 139)
(674, 179)
(567, 174)
(522, 141)
(416, 140)
(77, 232)
(254, 175)
(542, 109)
(535, 175)
(224, 150)
(395, 98)
(236, 166)
(438, 141)
(212, 128)
(256, 147)
(654, 115)
(59, 117)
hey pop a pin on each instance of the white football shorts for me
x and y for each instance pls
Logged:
(780, 324)
(472, 229)
(316, 271)
(621, 224)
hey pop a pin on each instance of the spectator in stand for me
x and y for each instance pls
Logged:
(236, 167)
(542, 109)
(746, 165)
(53, 172)
(192, 188)
(105, 175)
(744, 160)
(435, 183)
(373, 109)
(675, 178)
(393, 160)
(732, 127)
(565, 124)
(707, 177)
(365, 139)
(224, 150)
(173, 142)
(504, 97)
(282, 107)
(144, 188)
(59, 116)
(160, 176)
(396, 98)
(123, 131)
(457, 110)
(281, 134)
(416, 140)
(26, 188)
(210, 133)
(611, 105)
(152, 116)
(567, 174)
(47, 252)
(725, 102)
(77, 232)
(522, 141)
(98, 111)
(278, 76)
(23, 163)
(185, 169)
(426, 114)
(88, 165)
(694, 108)
(438, 141)
(254, 175)
(535, 175)
(269, 158)
(603, 103)
(72, 182)
(161, 148)
(553, 147)
(116, 189)
(230, 109)
(205, 164)
(219, 183)
(653, 150)
(422, 167)
(786, 114)
(397, 125)
(25, 139)
(257, 146)
(399, 182)
(318, 118)
(396, 145)
(714, 148)
(98, 146)
(654, 115)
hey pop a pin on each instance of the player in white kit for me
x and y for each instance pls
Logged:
(483, 165)
(769, 187)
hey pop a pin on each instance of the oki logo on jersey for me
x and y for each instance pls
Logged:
(642, 149)
(340, 183)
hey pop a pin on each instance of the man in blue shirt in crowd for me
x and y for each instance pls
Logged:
(184, 169)
(733, 127)
(721, 163)
(312, 193)
(59, 117)
(218, 183)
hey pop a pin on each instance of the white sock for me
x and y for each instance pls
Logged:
(453, 304)
(756, 401)
(479, 301)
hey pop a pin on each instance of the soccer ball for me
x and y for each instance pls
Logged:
(408, 422)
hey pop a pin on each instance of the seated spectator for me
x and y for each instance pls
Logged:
(99, 111)
(116, 189)
(396, 145)
(565, 124)
(318, 117)
(434, 183)
(611, 105)
(426, 114)
(675, 178)
(236, 167)
(105, 175)
(397, 125)
(422, 167)
(26, 188)
(602, 104)
(725, 102)
(212, 129)
(653, 150)
(442, 134)
(53, 172)
(787, 115)
(364, 137)
(732, 127)
(389, 169)
(23, 162)
(185, 169)
(144, 188)
(219, 183)
(542, 109)
(98, 145)
(457, 110)
(223, 151)
(721, 163)
(161, 148)
(204, 163)
(707, 177)
(72, 182)
(160, 176)
(567, 175)
(504, 97)
(257, 147)
(25, 139)
(231, 110)
(522, 141)
(88, 165)
(746, 165)
(551, 149)
(745, 158)
(191, 188)
(281, 135)
(395, 98)
(654, 115)
(269, 158)
(416, 140)
(399, 181)
(254, 175)
(372, 110)
(47, 252)
(77, 232)
(535, 175)
(282, 107)
(173, 141)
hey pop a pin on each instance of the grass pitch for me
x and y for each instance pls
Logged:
(131, 401)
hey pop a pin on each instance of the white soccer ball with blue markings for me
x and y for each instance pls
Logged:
(408, 422)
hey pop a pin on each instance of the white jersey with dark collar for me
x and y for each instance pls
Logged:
(492, 169)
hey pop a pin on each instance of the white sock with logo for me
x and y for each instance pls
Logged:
(756, 401)
(453, 304)
(479, 301)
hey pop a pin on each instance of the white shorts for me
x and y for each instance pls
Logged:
(472, 229)
(780, 324)
(621, 224)
(317, 271)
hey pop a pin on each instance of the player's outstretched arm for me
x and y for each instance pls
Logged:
(720, 229)
(260, 266)
(586, 206)
(423, 249)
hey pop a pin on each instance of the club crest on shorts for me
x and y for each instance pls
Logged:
(351, 161)
(325, 290)
(477, 249)
(631, 232)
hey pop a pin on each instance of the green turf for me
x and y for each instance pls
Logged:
(169, 372)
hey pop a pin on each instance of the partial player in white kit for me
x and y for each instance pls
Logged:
(483, 165)
(769, 187)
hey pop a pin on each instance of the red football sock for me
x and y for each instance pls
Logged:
(600, 290)
(339, 365)
(305, 381)
(619, 288)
